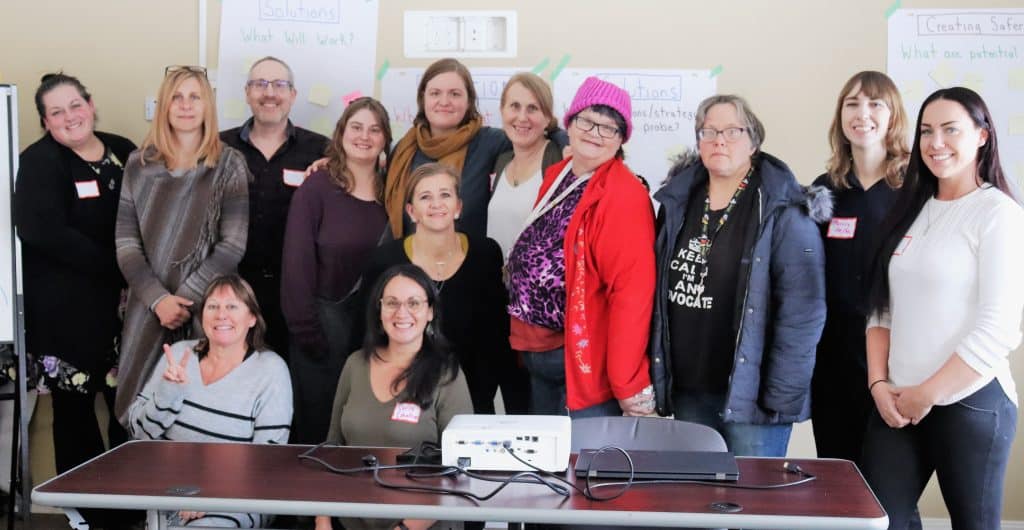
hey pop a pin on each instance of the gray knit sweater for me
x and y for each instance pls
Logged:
(165, 245)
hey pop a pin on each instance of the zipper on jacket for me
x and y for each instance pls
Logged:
(746, 291)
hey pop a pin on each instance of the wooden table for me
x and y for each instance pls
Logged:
(152, 475)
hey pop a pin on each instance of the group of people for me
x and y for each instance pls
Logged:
(396, 286)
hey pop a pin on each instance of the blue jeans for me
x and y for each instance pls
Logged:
(743, 439)
(966, 444)
(547, 381)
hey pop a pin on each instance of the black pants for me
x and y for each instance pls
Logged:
(840, 400)
(315, 373)
(77, 438)
(966, 444)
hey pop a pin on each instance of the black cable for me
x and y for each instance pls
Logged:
(587, 491)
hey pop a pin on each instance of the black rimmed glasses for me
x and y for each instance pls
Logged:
(185, 68)
(731, 134)
(604, 131)
(263, 84)
(414, 305)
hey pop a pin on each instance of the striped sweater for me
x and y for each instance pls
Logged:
(252, 403)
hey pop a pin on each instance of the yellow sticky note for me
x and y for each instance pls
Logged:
(1017, 79)
(322, 125)
(319, 94)
(1016, 125)
(246, 65)
(943, 74)
(234, 109)
(974, 81)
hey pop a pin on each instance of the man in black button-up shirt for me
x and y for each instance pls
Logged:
(277, 154)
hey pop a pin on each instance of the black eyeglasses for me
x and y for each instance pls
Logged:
(262, 84)
(183, 67)
(604, 131)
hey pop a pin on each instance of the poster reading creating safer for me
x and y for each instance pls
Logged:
(331, 46)
(981, 49)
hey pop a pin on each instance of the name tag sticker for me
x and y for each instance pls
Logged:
(842, 228)
(407, 412)
(89, 189)
(902, 247)
(293, 177)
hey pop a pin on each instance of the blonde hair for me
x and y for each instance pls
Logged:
(874, 85)
(159, 142)
(540, 90)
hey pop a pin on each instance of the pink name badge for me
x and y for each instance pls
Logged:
(842, 228)
(407, 412)
(293, 177)
(89, 189)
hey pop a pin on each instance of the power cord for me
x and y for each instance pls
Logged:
(371, 463)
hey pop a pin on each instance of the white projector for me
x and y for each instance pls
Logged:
(481, 442)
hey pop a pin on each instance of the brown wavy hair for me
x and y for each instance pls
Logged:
(336, 160)
(874, 85)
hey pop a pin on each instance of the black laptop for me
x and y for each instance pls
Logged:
(663, 465)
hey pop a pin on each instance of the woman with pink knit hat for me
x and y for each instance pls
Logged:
(581, 274)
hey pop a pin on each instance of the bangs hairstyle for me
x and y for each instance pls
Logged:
(51, 81)
(160, 134)
(336, 158)
(541, 91)
(749, 120)
(434, 365)
(429, 170)
(920, 184)
(254, 338)
(874, 85)
(440, 67)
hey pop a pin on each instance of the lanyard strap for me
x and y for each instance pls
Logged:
(546, 203)
(708, 239)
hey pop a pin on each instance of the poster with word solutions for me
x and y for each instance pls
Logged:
(664, 107)
(981, 49)
(330, 45)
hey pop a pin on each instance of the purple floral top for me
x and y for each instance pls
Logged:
(536, 265)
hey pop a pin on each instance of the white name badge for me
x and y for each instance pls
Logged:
(293, 177)
(842, 228)
(89, 189)
(407, 412)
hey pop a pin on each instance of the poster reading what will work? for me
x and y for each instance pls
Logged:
(982, 49)
(329, 44)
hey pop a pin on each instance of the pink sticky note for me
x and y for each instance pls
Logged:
(350, 97)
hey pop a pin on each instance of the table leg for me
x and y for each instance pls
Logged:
(154, 521)
(75, 519)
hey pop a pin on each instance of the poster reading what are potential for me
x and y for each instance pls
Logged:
(329, 44)
(982, 49)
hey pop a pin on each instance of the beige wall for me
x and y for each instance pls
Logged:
(788, 57)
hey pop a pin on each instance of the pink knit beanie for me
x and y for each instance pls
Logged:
(594, 91)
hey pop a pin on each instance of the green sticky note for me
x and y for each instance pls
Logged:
(560, 66)
(715, 71)
(383, 69)
(892, 8)
(541, 66)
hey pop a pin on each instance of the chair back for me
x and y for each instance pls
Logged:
(644, 433)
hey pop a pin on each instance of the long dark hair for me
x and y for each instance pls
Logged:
(434, 365)
(920, 184)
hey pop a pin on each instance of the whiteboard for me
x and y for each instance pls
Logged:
(330, 45)
(8, 170)
(981, 49)
(664, 105)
